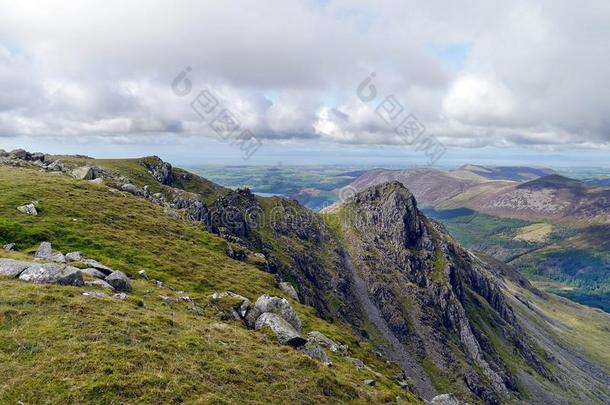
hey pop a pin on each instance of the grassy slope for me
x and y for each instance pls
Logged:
(57, 346)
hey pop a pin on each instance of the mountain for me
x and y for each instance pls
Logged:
(514, 173)
(408, 311)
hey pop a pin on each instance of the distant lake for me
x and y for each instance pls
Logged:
(262, 194)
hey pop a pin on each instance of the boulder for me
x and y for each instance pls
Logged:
(57, 166)
(37, 157)
(142, 273)
(446, 399)
(119, 281)
(322, 339)
(93, 273)
(8, 247)
(279, 306)
(370, 382)
(28, 209)
(120, 296)
(290, 290)
(83, 173)
(286, 334)
(98, 266)
(230, 305)
(99, 283)
(58, 257)
(316, 352)
(45, 251)
(12, 268)
(19, 154)
(74, 257)
(52, 273)
(131, 189)
(356, 362)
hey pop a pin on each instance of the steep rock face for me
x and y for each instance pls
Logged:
(422, 282)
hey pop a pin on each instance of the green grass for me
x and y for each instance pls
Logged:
(57, 346)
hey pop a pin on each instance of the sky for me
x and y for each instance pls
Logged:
(372, 82)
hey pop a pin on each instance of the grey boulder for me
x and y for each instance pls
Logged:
(74, 257)
(12, 268)
(316, 352)
(45, 251)
(99, 283)
(322, 339)
(286, 334)
(98, 266)
(83, 173)
(236, 308)
(52, 273)
(8, 247)
(28, 209)
(93, 273)
(279, 306)
(119, 281)
(131, 189)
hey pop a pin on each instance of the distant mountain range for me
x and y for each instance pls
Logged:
(512, 192)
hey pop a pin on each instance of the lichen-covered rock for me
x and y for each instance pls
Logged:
(99, 283)
(90, 271)
(28, 209)
(316, 352)
(98, 266)
(131, 189)
(286, 334)
(83, 173)
(119, 281)
(12, 268)
(322, 339)
(279, 306)
(44, 252)
(230, 305)
(52, 273)
(8, 247)
(74, 257)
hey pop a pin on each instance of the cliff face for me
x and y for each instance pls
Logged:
(398, 278)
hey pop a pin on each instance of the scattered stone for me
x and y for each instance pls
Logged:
(52, 273)
(94, 294)
(99, 266)
(119, 281)
(230, 305)
(286, 334)
(290, 290)
(279, 306)
(121, 296)
(57, 166)
(8, 247)
(446, 399)
(45, 251)
(83, 173)
(166, 299)
(19, 154)
(29, 209)
(370, 382)
(186, 298)
(142, 273)
(356, 362)
(58, 257)
(131, 189)
(316, 352)
(99, 283)
(98, 180)
(74, 257)
(12, 268)
(322, 339)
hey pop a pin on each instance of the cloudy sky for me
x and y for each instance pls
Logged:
(490, 80)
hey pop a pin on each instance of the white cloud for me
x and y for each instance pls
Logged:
(536, 72)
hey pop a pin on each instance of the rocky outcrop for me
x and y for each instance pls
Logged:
(119, 281)
(289, 289)
(52, 273)
(160, 170)
(12, 268)
(286, 334)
